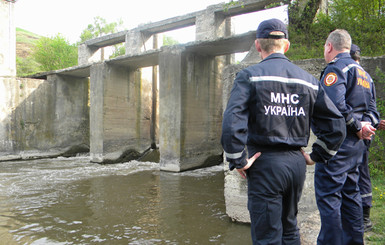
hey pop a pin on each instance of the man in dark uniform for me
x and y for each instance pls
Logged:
(336, 184)
(364, 182)
(271, 108)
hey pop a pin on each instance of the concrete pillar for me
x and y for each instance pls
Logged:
(135, 40)
(235, 187)
(7, 40)
(88, 54)
(210, 25)
(154, 128)
(97, 81)
(119, 115)
(170, 108)
(189, 116)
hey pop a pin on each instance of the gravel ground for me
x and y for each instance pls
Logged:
(309, 225)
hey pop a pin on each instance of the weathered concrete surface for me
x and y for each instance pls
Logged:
(46, 117)
(120, 113)
(211, 23)
(376, 68)
(189, 115)
(7, 40)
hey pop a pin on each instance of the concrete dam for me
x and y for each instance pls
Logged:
(112, 110)
(108, 108)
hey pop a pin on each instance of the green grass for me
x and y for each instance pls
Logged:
(25, 64)
(377, 212)
(23, 36)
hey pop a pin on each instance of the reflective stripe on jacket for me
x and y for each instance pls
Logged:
(352, 90)
(274, 103)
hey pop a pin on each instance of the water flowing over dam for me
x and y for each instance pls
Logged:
(73, 201)
(112, 112)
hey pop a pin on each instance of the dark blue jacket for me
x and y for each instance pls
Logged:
(352, 90)
(273, 105)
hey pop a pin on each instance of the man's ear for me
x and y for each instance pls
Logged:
(287, 46)
(258, 46)
(328, 47)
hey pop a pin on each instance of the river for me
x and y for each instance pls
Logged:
(73, 201)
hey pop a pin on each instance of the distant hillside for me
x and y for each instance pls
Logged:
(25, 64)
(25, 41)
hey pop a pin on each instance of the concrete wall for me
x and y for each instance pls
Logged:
(7, 40)
(120, 113)
(43, 117)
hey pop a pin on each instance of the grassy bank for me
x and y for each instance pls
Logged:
(25, 43)
(377, 215)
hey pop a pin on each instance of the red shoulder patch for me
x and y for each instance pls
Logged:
(330, 79)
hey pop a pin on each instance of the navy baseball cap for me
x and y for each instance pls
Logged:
(268, 26)
(354, 48)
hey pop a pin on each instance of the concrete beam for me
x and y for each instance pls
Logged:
(223, 46)
(107, 40)
(217, 10)
(245, 6)
(81, 71)
(149, 58)
(217, 47)
(170, 24)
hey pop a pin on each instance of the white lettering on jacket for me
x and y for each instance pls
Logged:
(286, 109)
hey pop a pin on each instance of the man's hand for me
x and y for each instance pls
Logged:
(366, 132)
(307, 158)
(381, 126)
(250, 162)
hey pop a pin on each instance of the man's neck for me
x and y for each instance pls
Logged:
(339, 52)
(264, 54)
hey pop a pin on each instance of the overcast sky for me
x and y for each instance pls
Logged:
(71, 17)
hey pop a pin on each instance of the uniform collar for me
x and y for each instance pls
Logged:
(340, 56)
(275, 56)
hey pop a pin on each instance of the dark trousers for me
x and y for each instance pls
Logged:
(275, 183)
(338, 196)
(364, 182)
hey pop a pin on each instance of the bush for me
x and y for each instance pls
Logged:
(363, 19)
(55, 53)
(26, 66)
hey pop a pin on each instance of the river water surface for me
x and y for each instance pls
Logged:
(73, 201)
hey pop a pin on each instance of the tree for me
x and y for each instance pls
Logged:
(120, 49)
(99, 28)
(167, 41)
(364, 20)
(302, 13)
(55, 53)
